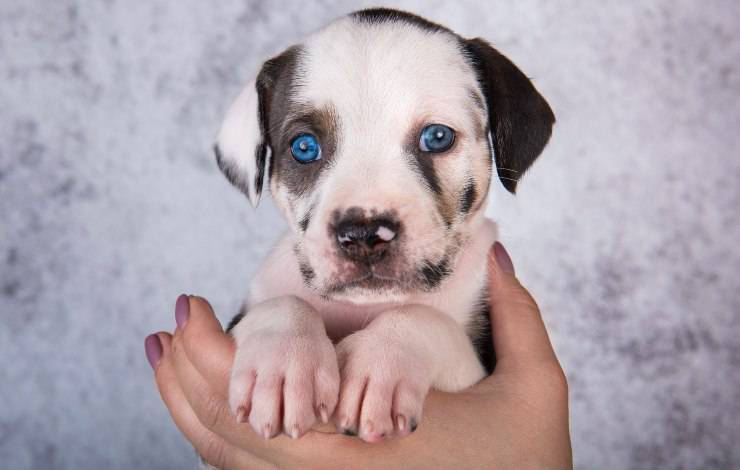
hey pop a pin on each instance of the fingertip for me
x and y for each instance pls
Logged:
(501, 258)
(182, 310)
(203, 303)
(500, 268)
(155, 347)
(153, 350)
(205, 344)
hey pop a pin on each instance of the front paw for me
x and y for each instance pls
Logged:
(384, 382)
(284, 376)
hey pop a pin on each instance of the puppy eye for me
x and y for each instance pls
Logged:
(305, 148)
(436, 138)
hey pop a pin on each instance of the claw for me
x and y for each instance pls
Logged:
(241, 414)
(323, 413)
(401, 423)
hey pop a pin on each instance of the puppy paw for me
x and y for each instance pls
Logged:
(384, 383)
(283, 378)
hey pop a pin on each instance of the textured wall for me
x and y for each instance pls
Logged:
(110, 205)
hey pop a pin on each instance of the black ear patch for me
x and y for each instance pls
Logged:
(519, 117)
(275, 79)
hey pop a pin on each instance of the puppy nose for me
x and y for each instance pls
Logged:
(366, 240)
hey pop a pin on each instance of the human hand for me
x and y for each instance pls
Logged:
(516, 418)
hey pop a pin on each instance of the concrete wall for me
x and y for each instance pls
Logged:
(626, 230)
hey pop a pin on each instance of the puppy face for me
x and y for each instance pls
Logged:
(378, 134)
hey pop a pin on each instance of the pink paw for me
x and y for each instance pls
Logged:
(283, 383)
(384, 384)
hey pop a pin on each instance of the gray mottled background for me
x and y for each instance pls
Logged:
(626, 230)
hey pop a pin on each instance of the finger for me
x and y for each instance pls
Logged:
(211, 447)
(207, 346)
(519, 334)
(210, 407)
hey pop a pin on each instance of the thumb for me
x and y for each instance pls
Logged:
(518, 332)
(205, 343)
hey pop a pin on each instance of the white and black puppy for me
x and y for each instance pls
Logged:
(378, 136)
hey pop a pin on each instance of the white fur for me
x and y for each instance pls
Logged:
(239, 135)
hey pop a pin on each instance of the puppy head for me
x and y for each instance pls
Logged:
(378, 134)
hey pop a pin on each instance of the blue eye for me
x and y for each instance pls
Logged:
(436, 138)
(305, 148)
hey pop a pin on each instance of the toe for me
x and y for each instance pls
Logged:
(350, 401)
(375, 419)
(408, 403)
(266, 404)
(298, 413)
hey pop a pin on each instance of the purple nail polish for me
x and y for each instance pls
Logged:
(153, 349)
(502, 258)
(182, 310)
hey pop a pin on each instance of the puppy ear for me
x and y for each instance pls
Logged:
(519, 118)
(244, 147)
(241, 148)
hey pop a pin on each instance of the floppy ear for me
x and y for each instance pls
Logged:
(519, 118)
(241, 147)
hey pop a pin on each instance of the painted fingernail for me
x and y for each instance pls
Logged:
(502, 258)
(349, 432)
(401, 422)
(182, 310)
(413, 425)
(153, 349)
(323, 413)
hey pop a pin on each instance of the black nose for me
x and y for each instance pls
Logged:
(366, 240)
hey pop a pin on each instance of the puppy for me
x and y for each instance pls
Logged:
(378, 136)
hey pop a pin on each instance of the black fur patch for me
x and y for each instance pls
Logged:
(307, 272)
(484, 343)
(237, 318)
(425, 166)
(261, 157)
(388, 15)
(468, 198)
(274, 89)
(479, 331)
(305, 220)
(433, 274)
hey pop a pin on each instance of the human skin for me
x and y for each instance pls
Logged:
(515, 418)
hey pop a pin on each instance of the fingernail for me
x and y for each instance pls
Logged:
(502, 258)
(294, 432)
(153, 349)
(413, 425)
(182, 310)
(401, 422)
(349, 432)
(324, 414)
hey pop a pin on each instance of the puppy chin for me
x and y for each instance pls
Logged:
(368, 296)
